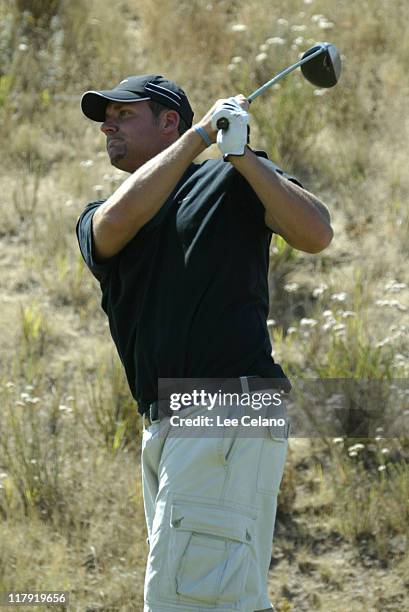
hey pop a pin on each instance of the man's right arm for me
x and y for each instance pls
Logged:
(141, 195)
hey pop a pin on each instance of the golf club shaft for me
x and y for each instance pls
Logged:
(223, 123)
(282, 74)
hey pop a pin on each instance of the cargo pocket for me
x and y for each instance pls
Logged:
(211, 548)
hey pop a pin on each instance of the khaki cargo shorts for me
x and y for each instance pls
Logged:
(210, 506)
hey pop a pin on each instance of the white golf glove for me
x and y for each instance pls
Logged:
(233, 140)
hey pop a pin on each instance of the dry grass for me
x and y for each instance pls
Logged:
(69, 441)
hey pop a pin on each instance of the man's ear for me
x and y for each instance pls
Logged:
(169, 121)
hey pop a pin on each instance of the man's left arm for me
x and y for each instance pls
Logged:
(290, 211)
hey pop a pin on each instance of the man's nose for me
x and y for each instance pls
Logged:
(109, 126)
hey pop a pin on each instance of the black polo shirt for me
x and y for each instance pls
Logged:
(188, 296)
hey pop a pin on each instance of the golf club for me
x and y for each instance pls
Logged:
(320, 65)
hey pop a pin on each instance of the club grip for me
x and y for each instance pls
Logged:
(222, 123)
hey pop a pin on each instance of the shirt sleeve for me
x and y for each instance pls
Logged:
(289, 177)
(101, 270)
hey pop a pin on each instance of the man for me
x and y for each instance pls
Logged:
(181, 252)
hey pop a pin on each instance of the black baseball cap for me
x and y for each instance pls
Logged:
(137, 88)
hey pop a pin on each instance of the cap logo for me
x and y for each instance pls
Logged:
(164, 92)
(124, 81)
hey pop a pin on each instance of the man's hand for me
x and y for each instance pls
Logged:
(233, 140)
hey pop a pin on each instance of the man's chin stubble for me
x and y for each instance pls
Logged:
(116, 158)
(117, 155)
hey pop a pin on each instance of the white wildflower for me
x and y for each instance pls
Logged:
(338, 440)
(291, 330)
(298, 28)
(394, 287)
(261, 57)
(22, 47)
(86, 163)
(339, 297)
(308, 322)
(327, 313)
(271, 322)
(299, 41)
(325, 25)
(239, 27)
(385, 451)
(320, 92)
(236, 59)
(353, 454)
(381, 468)
(263, 47)
(382, 343)
(282, 21)
(291, 287)
(317, 18)
(345, 314)
(275, 40)
(319, 290)
(392, 304)
(398, 305)
(356, 447)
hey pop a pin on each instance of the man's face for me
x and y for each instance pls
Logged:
(133, 134)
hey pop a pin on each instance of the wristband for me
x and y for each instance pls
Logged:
(203, 134)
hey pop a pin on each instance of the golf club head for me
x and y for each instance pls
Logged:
(323, 70)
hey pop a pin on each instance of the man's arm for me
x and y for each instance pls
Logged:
(141, 195)
(294, 213)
